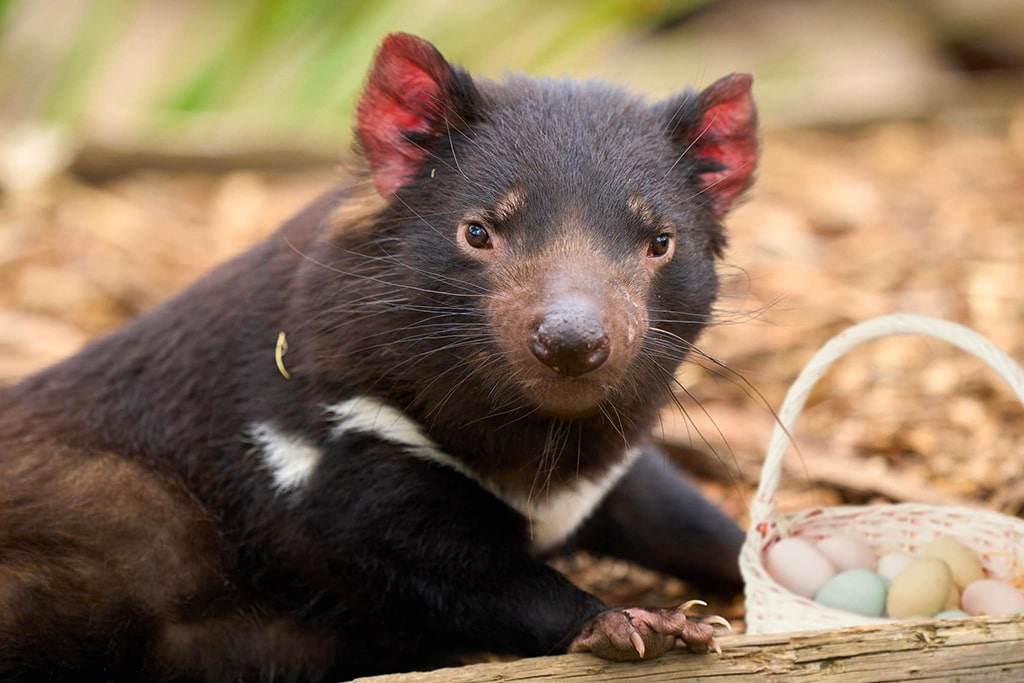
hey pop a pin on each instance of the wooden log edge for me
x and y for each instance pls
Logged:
(989, 648)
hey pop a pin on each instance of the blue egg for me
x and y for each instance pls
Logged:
(952, 614)
(856, 590)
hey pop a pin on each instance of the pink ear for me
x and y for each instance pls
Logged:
(726, 134)
(410, 96)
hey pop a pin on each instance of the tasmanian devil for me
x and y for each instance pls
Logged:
(349, 450)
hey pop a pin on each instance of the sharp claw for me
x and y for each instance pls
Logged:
(638, 643)
(719, 621)
(685, 607)
(715, 646)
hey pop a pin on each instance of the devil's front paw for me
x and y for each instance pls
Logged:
(631, 634)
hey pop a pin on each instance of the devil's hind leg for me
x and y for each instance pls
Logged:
(94, 550)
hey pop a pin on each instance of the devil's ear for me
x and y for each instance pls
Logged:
(412, 97)
(718, 127)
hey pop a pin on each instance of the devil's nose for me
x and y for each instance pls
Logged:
(569, 337)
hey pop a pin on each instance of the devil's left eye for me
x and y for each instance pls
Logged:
(659, 246)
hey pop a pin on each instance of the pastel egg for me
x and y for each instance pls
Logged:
(920, 590)
(961, 560)
(952, 614)
(953, 599)
(855, 590)
(848, 552)
(798, 566)
(891, 564)
(991, 596)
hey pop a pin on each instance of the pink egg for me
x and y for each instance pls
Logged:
(848, 552)
(799, 566)
(991, 596)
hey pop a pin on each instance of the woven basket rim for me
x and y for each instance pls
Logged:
(764, 505)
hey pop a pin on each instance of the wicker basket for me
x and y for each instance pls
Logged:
(997, 539)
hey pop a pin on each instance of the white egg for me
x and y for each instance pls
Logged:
(891, 564)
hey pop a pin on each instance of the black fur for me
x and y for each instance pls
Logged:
(141, 537)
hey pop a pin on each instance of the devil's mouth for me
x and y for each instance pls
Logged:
(567, 397)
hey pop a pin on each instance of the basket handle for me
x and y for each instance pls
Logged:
(763, 508)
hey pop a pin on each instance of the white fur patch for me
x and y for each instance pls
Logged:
(552, 514)
(557, 513)
(364, 415)
(290, 459)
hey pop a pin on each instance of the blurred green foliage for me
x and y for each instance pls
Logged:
(267, 66)
(213, 76)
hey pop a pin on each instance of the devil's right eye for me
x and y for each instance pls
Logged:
(659, 246)
(477, 236)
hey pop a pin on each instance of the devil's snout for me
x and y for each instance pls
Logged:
(569, 337)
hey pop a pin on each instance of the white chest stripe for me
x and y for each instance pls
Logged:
(369, 416)
(290, 459)
(552, 515)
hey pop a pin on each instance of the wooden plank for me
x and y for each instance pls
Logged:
(977, 649)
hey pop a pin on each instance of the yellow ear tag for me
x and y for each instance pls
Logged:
(282, 348)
